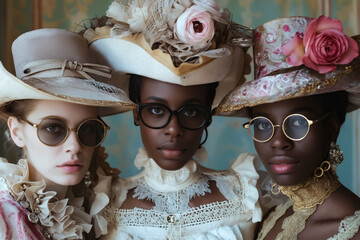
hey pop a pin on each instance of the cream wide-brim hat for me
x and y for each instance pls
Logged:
(54, 64)
(133, 55)
(275, 80)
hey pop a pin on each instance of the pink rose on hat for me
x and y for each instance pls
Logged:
(323, 47)
(195, 26)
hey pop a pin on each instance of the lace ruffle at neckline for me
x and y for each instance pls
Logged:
(59, 219)
(165, 180)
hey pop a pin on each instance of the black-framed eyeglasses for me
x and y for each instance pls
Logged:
(295, 127)
(54, 130)
(156, 115)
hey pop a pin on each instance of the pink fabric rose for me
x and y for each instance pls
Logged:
(195, 26)
(326, 45)
(294, 50)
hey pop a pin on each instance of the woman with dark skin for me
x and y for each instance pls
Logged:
(295, 118)
(175, 88)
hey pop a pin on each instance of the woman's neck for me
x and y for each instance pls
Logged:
(61, 190)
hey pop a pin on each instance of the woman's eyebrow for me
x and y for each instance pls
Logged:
(156, 99)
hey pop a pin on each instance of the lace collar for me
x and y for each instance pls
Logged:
(60, 219)
(165, 180)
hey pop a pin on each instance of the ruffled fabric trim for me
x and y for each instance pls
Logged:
(62, 219)
(244, 169)
(164, 180)
(102, 191)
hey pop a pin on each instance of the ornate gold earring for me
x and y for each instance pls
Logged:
(87, 179)
(335, 154)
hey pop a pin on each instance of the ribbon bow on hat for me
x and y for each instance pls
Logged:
(46, 69)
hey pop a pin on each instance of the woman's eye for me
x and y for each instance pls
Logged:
(299, 122)
(53, 128)
(157, 111)
(262, 126)
(190, 112)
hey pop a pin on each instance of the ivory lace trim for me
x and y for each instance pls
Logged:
(208, 213)
(348, 227)
(270, 221)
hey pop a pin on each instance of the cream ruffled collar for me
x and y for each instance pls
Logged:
(57, 217)
(165, 180)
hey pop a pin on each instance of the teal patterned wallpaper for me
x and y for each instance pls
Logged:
(227, 138)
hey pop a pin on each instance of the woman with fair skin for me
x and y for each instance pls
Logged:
(296, 107)
(52, 110)
(176, 82)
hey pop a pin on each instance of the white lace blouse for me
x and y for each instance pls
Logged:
(171, 191)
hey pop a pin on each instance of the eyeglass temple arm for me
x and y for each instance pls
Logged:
(106, 126)
(28, 122)
(311, 122)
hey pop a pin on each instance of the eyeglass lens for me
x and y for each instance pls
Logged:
(53, 131)
(157, 116)
(295, 127)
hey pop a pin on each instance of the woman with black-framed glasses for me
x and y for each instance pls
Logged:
(176, 83)
(53, 110)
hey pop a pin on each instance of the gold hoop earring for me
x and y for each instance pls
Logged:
(324, 167)
(275, 189)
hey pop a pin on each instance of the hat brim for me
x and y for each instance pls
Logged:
(132, 55)
(108, 99)
(299, 83)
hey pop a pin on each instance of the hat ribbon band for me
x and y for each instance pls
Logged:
(75, 68)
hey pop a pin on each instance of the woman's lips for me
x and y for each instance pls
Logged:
(283, 164)
(171, 153)
(71, 167)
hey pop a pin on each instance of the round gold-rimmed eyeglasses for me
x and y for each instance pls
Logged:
(295, 127)
(54, 130)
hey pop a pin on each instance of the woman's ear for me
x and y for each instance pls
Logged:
(16, 132)
(136, 117)
(334, 126)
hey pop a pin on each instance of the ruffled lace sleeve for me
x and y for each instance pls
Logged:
(102, 191)
(245, 170)
(59, 219)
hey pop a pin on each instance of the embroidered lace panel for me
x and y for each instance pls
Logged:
(172, 202)
(195, 216)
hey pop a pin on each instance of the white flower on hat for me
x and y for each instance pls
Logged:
(184, 29)
(195, 26)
